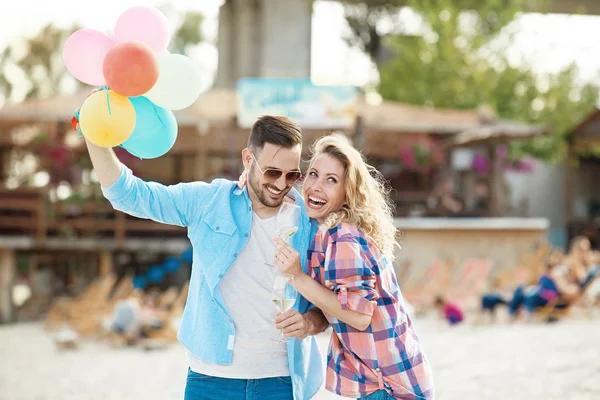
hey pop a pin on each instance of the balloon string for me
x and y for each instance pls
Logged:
(158, 116)
(107, 98)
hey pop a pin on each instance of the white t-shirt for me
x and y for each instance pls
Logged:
(246, 289)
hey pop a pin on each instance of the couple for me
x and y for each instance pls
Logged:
(339, 261)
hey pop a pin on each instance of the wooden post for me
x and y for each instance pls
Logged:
(120, 228)
(4, 156)
(42, 217)
(569, 182)
(493, 209)
(177, 168)
(201, 154)
(569, 188)
(105, 263)
(359, 133)
(7, 275)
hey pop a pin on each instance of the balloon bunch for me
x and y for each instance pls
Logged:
(157, 273)
(140, 81)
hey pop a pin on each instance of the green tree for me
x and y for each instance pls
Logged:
(366, 19)
(39, 64)
(188, 34)
(38, 60)
(459, 61)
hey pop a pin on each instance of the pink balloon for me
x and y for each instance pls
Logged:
(84, 54)
(144, 24)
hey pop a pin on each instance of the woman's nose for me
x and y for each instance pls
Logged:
(318, 186)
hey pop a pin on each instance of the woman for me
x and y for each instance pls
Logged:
(552, 287)
(580, 260)
(374, 351)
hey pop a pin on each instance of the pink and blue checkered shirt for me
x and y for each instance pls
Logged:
(387, 355)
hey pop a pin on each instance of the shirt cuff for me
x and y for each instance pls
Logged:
(353, 301)
(118, 189)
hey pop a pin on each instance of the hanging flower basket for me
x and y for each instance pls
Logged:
(481, 164)
(421, 155)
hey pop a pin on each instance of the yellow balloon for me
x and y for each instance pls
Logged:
(107, 124)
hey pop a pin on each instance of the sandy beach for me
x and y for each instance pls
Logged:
(499, 362)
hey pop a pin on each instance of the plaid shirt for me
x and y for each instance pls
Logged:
(387, 355)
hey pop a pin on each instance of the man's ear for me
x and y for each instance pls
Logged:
(247, 158)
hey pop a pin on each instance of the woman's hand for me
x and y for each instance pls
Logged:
(287, 259)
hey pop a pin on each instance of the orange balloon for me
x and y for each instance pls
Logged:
(107, 123)
(130, 68)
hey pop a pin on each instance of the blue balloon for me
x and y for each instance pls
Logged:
(155, 129)
(155, 274)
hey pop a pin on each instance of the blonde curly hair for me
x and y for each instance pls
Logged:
(368, 205)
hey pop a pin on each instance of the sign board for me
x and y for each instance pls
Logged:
(309, 105)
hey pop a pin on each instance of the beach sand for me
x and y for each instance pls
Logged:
(497, 362)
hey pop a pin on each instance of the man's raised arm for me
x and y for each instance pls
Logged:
(105, 162)
(174, 205)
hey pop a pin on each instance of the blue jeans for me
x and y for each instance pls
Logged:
(379, 395)
(204, 387)
(517, 301)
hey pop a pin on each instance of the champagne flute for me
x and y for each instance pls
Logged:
(283, 296)
(287, 222)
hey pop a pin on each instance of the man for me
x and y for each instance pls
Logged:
(443, 202)
(228, 324)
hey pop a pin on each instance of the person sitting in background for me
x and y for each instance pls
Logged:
(491, 300)
(451, 312)
(126, 322)
(579, 260)
(551, 287)
(443, 202)
(579, 269)
(482, 199)
(150, 313)
(594, 290)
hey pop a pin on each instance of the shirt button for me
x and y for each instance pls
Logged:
(245, 235)
(221, 275)
(218, 228)
(377, 369)
(250, 208)
(235, 255)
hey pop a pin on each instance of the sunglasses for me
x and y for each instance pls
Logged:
(272, 174)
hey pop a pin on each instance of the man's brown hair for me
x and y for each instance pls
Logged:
(277, 130)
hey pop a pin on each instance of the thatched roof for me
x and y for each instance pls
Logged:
(494, 132)
(587, 133)
(212, 105)
(392, 116)
(221, 106)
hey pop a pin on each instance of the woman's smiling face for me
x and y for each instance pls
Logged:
(324, 187)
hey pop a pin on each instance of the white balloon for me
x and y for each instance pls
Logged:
(179, 82)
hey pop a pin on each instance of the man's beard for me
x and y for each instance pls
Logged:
(261, 192)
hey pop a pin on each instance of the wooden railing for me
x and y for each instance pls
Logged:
(27, 212)
(23, 211)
